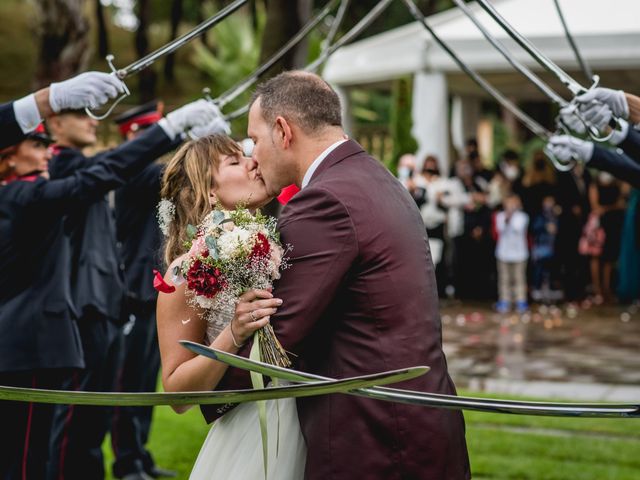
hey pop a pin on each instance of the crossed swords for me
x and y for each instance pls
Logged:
(308, 384)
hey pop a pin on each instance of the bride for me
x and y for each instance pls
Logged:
(206, 172)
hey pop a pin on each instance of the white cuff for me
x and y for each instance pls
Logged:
(619, 135)
(168, 128)
(27, 114)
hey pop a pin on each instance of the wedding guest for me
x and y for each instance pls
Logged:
(607, 204)
(512, 253)
(544, 229)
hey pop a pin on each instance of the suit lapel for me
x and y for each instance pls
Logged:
(343, 151)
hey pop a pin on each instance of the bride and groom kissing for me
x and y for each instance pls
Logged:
(358, 297)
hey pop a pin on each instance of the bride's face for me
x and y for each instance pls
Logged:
(237, 182)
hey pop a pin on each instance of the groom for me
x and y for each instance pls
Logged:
(359, 296)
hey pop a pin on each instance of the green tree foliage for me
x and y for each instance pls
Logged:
(401, 122)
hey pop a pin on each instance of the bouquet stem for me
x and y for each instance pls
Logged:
(271, 350)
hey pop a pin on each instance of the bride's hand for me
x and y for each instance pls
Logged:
(253, 311)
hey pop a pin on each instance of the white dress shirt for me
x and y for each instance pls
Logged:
(316, 163)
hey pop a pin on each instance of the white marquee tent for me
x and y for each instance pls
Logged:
(607, 34)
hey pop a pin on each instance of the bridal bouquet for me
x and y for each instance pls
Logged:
(231, 252)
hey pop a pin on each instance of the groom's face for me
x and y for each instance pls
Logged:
(268, 151)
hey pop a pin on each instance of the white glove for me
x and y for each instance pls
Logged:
(566, 148)
(218, 125)
(247, 147)
(89, 89)
(198, 113)
(571, 120)
(614, 99)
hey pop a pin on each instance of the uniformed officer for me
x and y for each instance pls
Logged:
(97, 282)
(39, 340)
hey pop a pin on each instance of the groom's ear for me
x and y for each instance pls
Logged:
(283, 132)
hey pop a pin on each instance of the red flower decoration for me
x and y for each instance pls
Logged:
(160, 285)
(261, 248)
(205, 280)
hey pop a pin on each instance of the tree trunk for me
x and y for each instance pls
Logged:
(147, 77)
(284, 19)
(176, 18)
(63, 33)
(103, 34)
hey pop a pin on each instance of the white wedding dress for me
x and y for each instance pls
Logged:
(233, 447)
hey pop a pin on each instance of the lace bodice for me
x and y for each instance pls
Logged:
(217, 320)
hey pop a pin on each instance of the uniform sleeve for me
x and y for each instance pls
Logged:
(631, 145)
(618, 164)
(110, 171)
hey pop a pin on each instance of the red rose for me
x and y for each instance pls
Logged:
(205, 280)
(261, 248)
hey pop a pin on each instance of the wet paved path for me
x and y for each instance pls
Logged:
(564, 352)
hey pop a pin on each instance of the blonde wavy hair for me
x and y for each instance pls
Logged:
(187, 182)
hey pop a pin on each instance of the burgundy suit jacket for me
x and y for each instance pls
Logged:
(360, 297)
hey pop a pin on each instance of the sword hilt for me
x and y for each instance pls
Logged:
(121, 74)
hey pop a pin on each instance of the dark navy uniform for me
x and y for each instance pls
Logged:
(97, 285)
(39, 339)
(623, 162)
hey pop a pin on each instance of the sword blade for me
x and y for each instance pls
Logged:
(529, 122)
(523, 69)
(561, 409)
(208, 398)
(242, 86)
(537, 54)
(172, 46)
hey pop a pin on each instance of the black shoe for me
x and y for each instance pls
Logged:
(137, 476)
(158, 472)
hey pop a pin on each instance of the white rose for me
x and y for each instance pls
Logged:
(229, 243)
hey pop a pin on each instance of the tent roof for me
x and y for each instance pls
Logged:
(607, 33)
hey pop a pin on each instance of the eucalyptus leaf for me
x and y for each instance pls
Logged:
(218, 217)
(192, 231)
(211, 244)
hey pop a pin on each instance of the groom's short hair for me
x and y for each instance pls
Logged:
(301, 97)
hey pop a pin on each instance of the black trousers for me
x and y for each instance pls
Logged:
(79, 430)
(131, 425)
(26, 427)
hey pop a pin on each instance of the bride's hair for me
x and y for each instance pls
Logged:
(187, 182)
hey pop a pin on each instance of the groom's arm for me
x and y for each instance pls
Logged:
(324, 245)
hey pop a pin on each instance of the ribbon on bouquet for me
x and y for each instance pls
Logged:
(561, 409)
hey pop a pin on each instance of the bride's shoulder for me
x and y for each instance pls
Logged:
(172, 275)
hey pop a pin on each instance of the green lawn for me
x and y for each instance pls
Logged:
(501, 447)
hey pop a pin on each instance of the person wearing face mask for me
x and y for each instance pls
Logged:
(539, 181)
(607, 207)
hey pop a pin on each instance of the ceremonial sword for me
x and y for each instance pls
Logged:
(232, 93)
(568, 81)
(357, 29)
(452, 402)
(524, 70)
(529, 122)
(208, 398)
(170, 47)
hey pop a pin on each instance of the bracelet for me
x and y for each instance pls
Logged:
(233, 337)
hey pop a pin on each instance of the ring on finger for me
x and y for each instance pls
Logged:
(253, 316)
